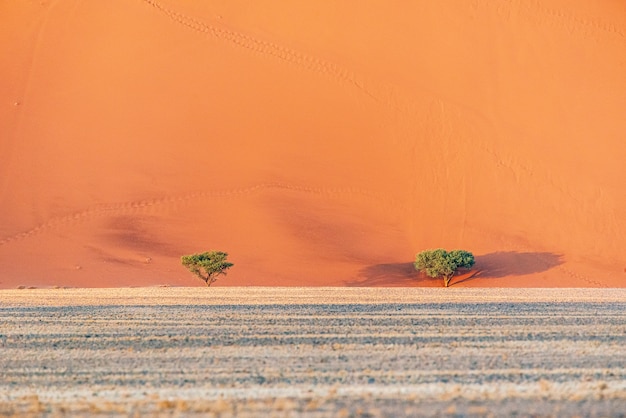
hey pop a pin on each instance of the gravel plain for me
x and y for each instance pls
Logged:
(314, 352)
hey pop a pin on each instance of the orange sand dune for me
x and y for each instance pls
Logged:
(317, 143)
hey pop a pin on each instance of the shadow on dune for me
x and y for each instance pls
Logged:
(512, 263)
(389, 274)
(489, 266)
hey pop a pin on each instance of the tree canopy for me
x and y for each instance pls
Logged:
(208, 265)
(441, 263)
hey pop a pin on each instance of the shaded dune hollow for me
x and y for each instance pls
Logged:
(319, 144)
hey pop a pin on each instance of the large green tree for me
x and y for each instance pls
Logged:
(208, 265)
(441, 263)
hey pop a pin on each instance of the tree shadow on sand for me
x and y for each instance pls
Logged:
(489, 266)
(389, 274)
(512, 263)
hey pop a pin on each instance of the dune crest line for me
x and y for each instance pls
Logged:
(166, 200)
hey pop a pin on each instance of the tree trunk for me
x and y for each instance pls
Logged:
(210, 280)
(207, 280)
(446, 280)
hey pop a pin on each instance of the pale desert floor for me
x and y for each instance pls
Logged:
(315, 352)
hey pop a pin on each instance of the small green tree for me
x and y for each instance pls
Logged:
(207, 265)
(441, 263)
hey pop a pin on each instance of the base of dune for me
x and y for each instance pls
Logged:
(469, 280)
(318, 143)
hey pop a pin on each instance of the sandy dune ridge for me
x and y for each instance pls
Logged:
(317, 144)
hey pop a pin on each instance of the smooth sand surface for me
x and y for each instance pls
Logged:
(319, 143)
(319, 352)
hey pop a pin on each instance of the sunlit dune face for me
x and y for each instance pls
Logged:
(317, 144)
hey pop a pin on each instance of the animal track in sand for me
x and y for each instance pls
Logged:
(118, 208)
(452, 112)
(386, 95)
(535, 12)
(287, 55)
(380, 92)
(258, 45)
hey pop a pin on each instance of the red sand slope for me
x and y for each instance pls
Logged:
(318, 143)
